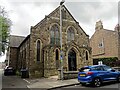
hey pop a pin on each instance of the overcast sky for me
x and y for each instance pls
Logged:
(28, 13)
(25, 14)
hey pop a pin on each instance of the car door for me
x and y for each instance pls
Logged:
(108, 73)
(114, 73)
(102, 73)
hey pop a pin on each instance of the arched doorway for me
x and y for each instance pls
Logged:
(72, 60)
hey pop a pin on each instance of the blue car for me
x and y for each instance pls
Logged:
(97, 74)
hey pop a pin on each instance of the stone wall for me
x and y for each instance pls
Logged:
(70, 74)
(49, 53)
(36, 67)
(41, 32)
(24, 55)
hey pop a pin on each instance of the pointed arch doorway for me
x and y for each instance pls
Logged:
(72, 60)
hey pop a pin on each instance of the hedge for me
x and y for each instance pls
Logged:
(112, 61)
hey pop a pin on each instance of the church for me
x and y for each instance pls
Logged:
(39, 52)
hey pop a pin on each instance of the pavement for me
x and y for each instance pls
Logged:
(50, 83)
(9, 82)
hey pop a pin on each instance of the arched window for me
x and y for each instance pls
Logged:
(57, 54)
(70, 34)
(38, 50)
(57, 58)
(72, 60)
(86, 55)
(54, 35)
(63, 14)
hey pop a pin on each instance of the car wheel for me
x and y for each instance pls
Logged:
(118, 79)
(97, 82)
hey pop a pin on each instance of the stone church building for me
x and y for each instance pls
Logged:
(39, 52)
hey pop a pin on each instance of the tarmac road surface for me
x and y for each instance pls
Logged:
(13, 82)
(105, 86)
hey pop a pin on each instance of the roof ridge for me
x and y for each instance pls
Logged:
(17, 36)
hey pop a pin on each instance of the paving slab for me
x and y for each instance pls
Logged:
(53, 83)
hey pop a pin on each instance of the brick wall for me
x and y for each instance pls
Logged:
(109, 40)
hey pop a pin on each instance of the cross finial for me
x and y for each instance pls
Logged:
(62, 2)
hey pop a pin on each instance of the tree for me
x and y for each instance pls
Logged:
(5, 24)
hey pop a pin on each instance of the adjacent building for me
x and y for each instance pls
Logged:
(39, 52)
(13, 50)
(105, 43)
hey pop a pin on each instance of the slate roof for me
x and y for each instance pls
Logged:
(15, 41)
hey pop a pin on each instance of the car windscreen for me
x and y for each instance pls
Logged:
(107, 68)
(84, 69)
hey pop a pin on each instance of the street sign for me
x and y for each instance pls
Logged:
(61, 57)
(61, 52)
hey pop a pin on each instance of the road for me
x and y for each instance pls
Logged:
(17, 83)
(13, 83)
(105, 86)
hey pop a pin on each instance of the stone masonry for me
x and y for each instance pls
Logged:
(48, 61)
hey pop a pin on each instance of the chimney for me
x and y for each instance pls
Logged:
(99, 25)
(117, 28)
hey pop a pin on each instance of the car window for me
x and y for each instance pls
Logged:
(84, 69)
(98, 68)
(106, 68)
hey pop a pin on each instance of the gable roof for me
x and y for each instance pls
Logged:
(15, 41)
(56, 11)
(106, 32)
(28, 36)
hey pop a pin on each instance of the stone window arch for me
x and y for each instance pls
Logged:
(38, 50)
(70, 34)
(54, 35)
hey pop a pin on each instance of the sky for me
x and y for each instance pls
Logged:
(27, 13)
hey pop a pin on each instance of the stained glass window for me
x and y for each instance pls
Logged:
(38, 50)
(55, 36)
(70, 34)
